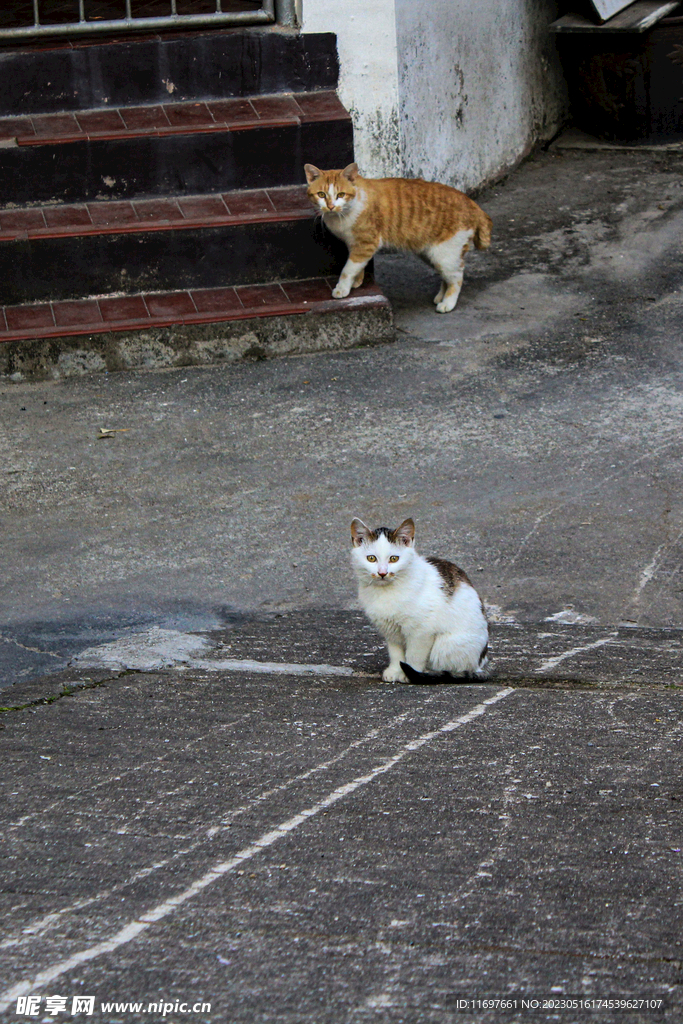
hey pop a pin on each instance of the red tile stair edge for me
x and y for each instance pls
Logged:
(85, 316)
(238, 114)
(111, 216)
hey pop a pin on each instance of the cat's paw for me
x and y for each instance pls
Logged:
(341, 291)
(393, 674)
(446, 305)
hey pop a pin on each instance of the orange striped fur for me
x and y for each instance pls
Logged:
(424, 217)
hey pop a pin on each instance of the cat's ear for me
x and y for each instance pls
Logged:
(405, 534)
(359, 532)
(351, 172)
(311, 173)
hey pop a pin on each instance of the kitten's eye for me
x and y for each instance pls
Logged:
(372, 558)
(393, 558)
(321, 195)
(341, 195)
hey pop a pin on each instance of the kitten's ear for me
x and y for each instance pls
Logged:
(351, 172)
(405, 534)
(311, 173)
(359, 532)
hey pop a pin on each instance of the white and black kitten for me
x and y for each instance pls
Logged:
(426, 608)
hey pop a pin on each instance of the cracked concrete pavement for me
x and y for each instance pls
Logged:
(181, 645)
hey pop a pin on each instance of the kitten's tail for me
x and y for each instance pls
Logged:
(482, 232)
(427, 679)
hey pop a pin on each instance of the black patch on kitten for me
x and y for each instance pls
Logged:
(451, 575)
(382, 531)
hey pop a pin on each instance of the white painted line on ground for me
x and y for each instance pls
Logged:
(552, 662)
(281, 667)
(162, 910)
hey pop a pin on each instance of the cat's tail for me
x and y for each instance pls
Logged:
(428, 679)
(482, 232)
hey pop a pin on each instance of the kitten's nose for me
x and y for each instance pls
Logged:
(381, 574)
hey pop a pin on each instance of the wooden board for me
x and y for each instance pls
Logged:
(606, 9)
(638, 17)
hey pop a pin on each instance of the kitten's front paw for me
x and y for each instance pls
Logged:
(341, 291)
(393, 674)
(446, 305)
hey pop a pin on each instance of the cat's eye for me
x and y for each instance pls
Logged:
(341, 195)
(393, 558)
(321, 195)
(372, 558)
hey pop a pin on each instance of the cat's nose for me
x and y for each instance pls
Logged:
(381, 574)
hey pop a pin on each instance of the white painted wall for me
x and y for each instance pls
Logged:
(368, 83)
(449, 90)
(479, 84)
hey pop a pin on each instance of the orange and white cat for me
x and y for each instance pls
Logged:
(435, 221)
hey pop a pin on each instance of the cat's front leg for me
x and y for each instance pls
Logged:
(348, 277)
(393, 673)
(360, 254)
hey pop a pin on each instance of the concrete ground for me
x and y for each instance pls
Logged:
(301, 844)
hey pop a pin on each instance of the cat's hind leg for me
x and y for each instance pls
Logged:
(418, 648)
(449, 259)
(461, 653)
(358, 279)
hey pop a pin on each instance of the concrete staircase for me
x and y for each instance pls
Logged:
(151, 205)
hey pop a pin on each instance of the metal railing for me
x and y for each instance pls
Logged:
(283, 11)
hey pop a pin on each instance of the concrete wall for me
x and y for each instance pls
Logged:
(479, 84)
(450, 90)
(368, 85)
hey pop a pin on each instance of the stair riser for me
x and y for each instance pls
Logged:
(197, 345)
(216, 64)
(162, 166)
(70, 268)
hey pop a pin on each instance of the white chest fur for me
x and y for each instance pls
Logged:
(341, 224)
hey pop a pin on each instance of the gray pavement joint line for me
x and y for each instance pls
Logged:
(66, 691)
(162, 910)
(44, 924)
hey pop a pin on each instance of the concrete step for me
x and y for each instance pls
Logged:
(188, 327)
(82, 74)
(70, 251)
(167, 148)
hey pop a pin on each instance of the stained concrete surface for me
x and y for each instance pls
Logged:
(333, 850)
(535, 437)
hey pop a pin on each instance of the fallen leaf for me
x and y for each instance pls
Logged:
(105, 432)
